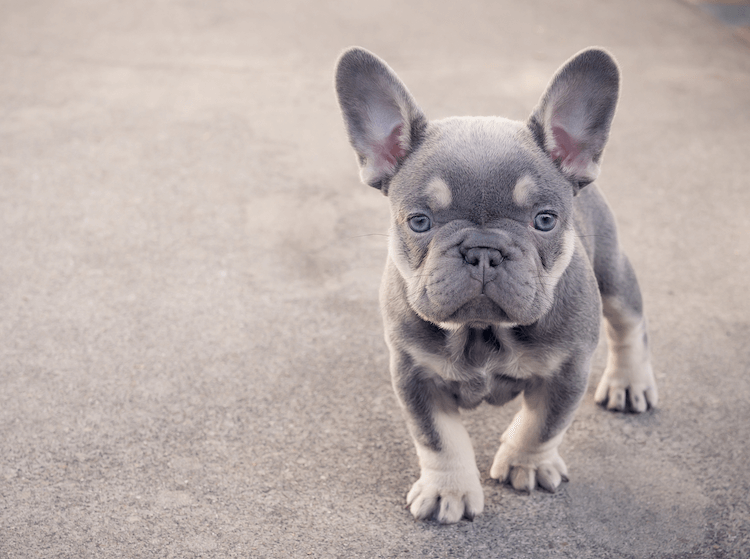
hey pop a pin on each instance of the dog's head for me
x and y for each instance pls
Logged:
(482, 208)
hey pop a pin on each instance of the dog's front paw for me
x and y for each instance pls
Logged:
(627, 388)
(524, 469)
(446, 496)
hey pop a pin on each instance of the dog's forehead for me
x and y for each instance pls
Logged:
(463, 135)
(482, 162)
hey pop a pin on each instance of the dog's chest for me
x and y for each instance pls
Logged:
(490, 365)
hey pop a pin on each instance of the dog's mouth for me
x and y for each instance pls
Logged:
(480, 312)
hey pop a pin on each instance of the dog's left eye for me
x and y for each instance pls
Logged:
(545, 221)
(419, 223)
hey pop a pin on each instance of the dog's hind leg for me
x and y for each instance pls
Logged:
(628, 380)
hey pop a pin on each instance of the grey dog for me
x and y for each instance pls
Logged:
(502, 256)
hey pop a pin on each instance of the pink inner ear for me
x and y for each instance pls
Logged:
(572, 155)
(390, 150)
(566, 148)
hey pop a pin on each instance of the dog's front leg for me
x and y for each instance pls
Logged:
(528, 448)
(449, 487)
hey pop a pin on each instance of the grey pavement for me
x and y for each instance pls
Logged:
(191, 356)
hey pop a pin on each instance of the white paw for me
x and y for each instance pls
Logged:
(627, 388)
(446, 496)
(524, 470)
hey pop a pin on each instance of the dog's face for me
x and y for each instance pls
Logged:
(481, 224)
(482, 208)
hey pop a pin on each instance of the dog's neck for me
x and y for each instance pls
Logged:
(477, 345)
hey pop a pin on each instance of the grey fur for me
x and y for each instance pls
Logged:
(481, 300)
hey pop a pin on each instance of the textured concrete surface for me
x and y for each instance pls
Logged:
(191, 358)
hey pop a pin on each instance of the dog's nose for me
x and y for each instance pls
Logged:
(484, 257)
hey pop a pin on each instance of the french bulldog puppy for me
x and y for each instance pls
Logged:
(502, 257)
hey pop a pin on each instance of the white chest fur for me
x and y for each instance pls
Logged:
(473, 359)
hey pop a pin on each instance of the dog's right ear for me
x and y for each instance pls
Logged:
(381, 116)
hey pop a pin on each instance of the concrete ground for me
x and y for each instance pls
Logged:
(191, 356)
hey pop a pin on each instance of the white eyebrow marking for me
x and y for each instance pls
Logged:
(523, 189)
(438, 194)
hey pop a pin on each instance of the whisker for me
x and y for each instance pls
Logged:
(367, 235)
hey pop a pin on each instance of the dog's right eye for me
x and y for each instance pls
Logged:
(419, 223)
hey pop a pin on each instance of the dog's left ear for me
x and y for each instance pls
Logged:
(571, 122)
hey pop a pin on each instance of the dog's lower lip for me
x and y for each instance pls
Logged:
(481, 311)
